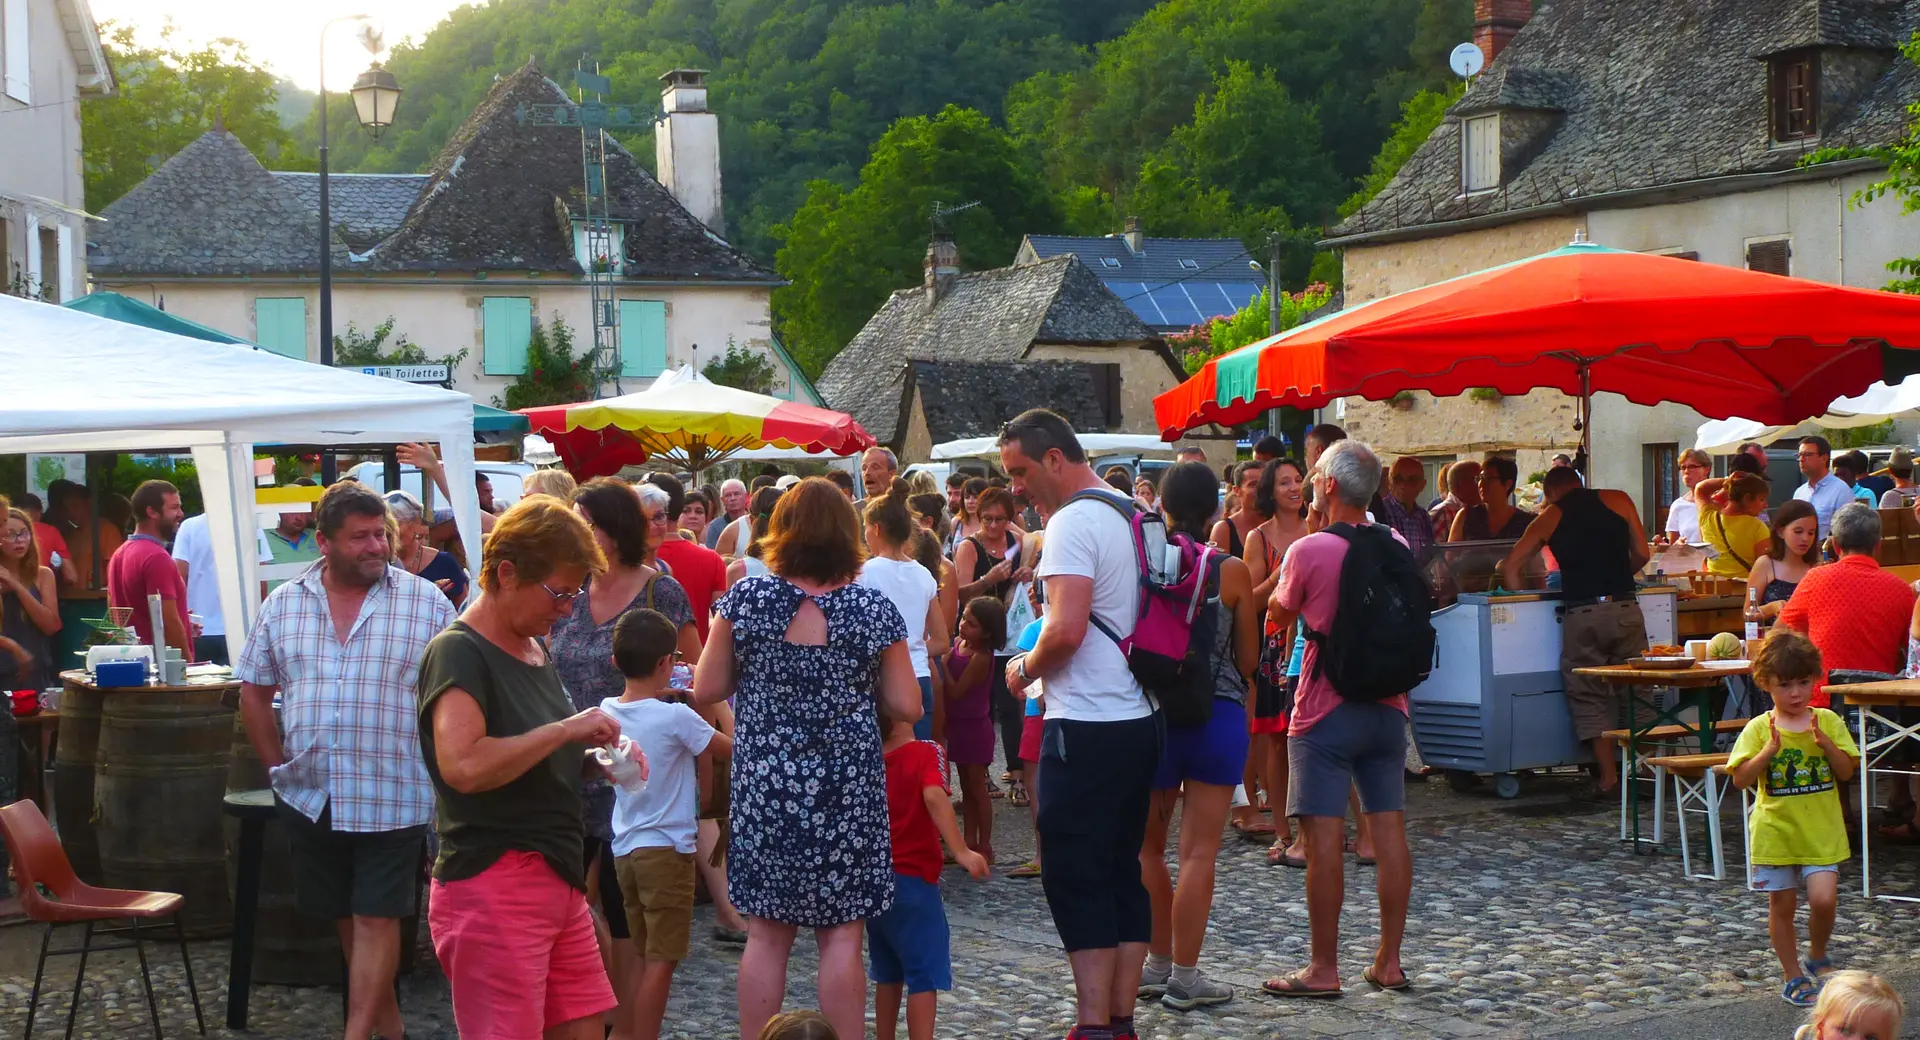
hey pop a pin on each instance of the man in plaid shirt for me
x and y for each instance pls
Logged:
(342, 645)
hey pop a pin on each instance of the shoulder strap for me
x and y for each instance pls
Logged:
(1720, 523)
(1126, 507)
(647, 591)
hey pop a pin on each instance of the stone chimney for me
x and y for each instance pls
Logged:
(1136, 238)
(686, 146)
(1496, 21)
(942, 266)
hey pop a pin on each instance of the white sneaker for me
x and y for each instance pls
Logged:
(1153, 983)
(1202, 993)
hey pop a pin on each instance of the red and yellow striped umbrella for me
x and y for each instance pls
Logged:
(692, 423)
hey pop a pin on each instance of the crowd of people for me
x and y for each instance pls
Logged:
(765, 689)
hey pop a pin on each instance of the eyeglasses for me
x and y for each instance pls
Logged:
(565, 599)
(1811, 455)
(16, 536)
(1693, 465)
(995, 520)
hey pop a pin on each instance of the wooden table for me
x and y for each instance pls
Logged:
(1696, 686)
(1873, 700)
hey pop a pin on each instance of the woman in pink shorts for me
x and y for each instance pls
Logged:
(503, 746)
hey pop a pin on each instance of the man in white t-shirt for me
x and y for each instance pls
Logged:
(193, 556)
(1102, 737)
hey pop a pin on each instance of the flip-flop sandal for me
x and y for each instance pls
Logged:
(1365, 861)
(1025, 870)
(1277, 856)
(1292, 986)
(1017, 795)
(1374, 981)
(1259, 831)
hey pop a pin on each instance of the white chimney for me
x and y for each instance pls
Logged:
(686, 145)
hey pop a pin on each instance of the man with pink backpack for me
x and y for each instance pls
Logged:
(1102, 738)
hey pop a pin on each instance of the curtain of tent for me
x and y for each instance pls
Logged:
(226, 486)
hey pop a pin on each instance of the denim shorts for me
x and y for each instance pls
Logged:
(1214, 752)
(1359, 743)
(1787, 879)
(908, 943)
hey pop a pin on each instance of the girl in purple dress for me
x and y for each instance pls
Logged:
(969, 688)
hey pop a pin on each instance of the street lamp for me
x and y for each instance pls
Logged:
(376, 94)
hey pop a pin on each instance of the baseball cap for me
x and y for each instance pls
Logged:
(786, 483)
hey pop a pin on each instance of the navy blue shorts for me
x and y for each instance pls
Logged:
(1212, 753)
(908, 943)
(1359, 744)
(923, 729)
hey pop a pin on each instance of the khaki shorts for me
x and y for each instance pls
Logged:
(657, 884)
(1594, 635)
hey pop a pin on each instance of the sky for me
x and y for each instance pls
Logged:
(283, 36)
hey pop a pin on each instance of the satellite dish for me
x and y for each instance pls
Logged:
(1467, 60)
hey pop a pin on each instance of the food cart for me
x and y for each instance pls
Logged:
(1495, 701)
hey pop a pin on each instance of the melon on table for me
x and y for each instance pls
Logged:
(1724, 647)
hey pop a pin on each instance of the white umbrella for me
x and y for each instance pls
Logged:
(1876, 404)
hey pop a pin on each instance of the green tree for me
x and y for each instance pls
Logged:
(741, 369)
(1250, 324)
(846, 250)
(167, 97)
(354, 348)
(1419, 117)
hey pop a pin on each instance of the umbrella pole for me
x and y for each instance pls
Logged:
(1586, 419)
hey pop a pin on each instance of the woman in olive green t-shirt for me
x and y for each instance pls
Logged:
(504, 749)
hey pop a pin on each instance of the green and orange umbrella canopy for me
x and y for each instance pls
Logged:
(692, 423)
(1720, 340)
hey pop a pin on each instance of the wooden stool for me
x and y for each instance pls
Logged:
(1696, 789)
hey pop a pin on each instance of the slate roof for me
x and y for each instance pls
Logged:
(1172, 283)
(497, 194)
(364, 207)
(212, 209)
(969, 400)
(1623, 97)
(991, 317)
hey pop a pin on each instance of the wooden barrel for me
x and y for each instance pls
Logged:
(289, 947)
(73, 778)
(157, 786)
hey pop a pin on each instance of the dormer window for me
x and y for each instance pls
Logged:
(599, 246)
(1480, 153)
(1794, 95)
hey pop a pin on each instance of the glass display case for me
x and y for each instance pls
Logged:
(1456, 567)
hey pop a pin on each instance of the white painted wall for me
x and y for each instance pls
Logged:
(40, 150)
(444, 317)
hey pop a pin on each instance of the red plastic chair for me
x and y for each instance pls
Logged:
(50, 893)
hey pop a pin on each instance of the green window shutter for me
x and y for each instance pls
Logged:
(507, 325)
(643, 338)
(280, 325)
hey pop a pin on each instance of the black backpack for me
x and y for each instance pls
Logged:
(1382, 641)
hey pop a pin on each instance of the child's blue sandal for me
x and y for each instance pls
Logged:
(1801, 992)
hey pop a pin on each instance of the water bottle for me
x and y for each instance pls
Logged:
(682, 678)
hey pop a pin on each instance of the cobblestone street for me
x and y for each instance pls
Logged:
(1529, 919)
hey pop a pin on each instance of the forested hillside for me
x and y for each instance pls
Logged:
(844, 120)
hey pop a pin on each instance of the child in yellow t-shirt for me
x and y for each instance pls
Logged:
(1795, 757)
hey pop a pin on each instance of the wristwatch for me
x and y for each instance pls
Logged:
(1020, 668)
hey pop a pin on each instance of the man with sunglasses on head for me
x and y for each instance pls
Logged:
(342, 645)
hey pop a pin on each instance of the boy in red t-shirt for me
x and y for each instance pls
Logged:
(907, 946)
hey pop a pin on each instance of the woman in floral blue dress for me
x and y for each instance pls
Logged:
(806, 654)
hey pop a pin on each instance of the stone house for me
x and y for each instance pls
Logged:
(1665, 128)
(962, 353)
(469, 255)
(50, 59)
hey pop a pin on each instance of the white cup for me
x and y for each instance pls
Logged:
(621, 765)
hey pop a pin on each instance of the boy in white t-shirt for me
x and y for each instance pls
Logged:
(655, 831)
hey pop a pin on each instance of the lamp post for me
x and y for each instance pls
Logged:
(376, 94)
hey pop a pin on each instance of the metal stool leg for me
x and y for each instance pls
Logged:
(1626, 777)
(1712, 780)
(1746, 832)
(1680, 821)
(146, 980)
(186, 963)
(39, 969)
(1659, 800)
(86, 943)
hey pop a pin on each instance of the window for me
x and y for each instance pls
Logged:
(280, 325)
(607, 243)
(1480, 153)
(506, 326)
(1662, 482)
(1794, 96)
(1108, 261)
(1190, 265)
(1106, 386)
(50, 262)
(14, 50)
(643, 338)
(1773, 256)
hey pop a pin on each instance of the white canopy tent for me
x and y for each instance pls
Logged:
(1091, 443)
(73, 383)
(1876, 404)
